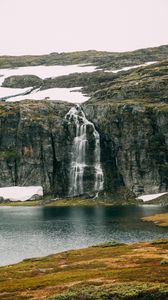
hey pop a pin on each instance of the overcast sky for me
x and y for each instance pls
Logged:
(44, 26)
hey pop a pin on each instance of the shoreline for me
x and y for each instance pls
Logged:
(74, 202)
(79, 203)
(90, 202)
(160, 220)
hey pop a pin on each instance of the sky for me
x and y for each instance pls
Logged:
(45, 26)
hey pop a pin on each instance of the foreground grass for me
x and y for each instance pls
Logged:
(121, 271)
(158, 219)
(117, 292)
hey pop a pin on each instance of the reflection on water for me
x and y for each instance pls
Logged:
(27, 231)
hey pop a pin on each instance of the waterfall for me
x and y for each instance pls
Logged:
(80, 163)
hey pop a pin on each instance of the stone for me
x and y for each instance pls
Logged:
(22, 81)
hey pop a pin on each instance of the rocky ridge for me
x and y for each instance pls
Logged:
(101, 59)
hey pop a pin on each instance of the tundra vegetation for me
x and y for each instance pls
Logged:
(106, 271)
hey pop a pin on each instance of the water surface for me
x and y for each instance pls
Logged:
(38, 231)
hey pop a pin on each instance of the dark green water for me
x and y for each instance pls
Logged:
(27, 231)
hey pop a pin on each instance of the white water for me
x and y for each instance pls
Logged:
(79, 152)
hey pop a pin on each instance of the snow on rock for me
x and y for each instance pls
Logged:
(61, 94)
(4, 92)
(45, 71)
(64, 94)
(20, 193)
(132, 67)
(151, 196)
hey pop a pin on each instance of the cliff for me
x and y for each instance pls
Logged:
(36, 145)
(134, 144)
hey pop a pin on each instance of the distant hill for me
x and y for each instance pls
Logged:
(101, 59)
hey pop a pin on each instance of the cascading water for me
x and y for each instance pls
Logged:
(80, 163)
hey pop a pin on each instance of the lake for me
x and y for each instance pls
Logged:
(38, 231)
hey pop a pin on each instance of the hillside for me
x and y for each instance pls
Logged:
(100, 59)
(109, 271)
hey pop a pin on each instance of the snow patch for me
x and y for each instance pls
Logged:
(61, 94)
(21, 193)
(45, 71)
(132, 67)
(151, 196)
(64, 94)
(5, 92)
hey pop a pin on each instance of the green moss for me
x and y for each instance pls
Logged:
(8, 109)
(21, 203)
(109, 244)
(160, 242)
(8, 155)
(164, 262)
(116, 292)
(75, 202)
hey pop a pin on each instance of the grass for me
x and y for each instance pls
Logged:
(118, 292)
(89, 202)
(158, 219)
(20, 203)
(48, 201)
(110, 271)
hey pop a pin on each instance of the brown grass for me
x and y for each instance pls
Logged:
(158, 219)
(40, 278)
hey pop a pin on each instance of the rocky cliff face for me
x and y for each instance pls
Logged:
(134, 145)
(36, 145)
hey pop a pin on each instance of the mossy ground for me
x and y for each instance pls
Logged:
(20, 203)
(71, 202)
(103, 59)
(124, 271)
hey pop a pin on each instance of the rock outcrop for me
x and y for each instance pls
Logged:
(134, 145)
(22, 81)
(36, 145)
